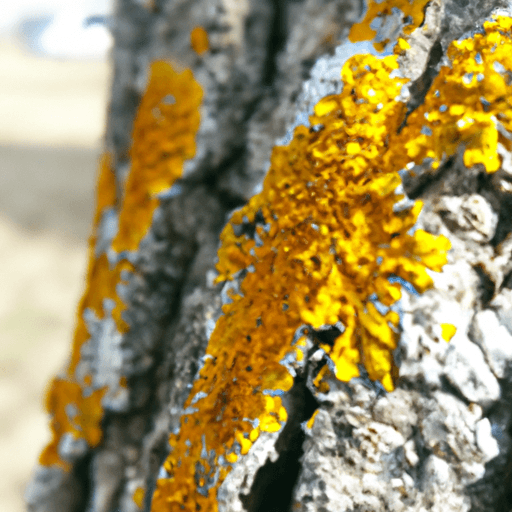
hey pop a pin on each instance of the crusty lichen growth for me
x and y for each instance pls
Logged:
(327, 240)
(448, 331)
(164, 136)
(65, 391)
(334, 239)
(199, 40)
(468, 105)
(138, 497)
(412, 14)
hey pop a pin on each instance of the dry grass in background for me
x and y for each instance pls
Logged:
(50, 137)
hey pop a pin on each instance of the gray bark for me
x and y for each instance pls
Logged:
(441, 440)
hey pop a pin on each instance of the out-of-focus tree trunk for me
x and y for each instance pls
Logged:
(441, 440)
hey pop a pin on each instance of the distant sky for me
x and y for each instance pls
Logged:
(56, 27)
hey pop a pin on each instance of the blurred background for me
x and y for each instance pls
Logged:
(54, 83)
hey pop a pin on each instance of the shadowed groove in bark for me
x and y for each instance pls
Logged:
(420, 87)
(274, 482)
(500, 497)
(417, 186)
(504, 226)
(277, 39)
(487, 286)
(82, 473)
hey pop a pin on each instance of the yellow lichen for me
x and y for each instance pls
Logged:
(65, 391)
(138, 496)
(468, 104)
(311, 421)
(105, 190)
(199, 40)
(84, 422)
(328, 244)
(412, 11)
(163, 137)
(448, 331)
(164, 134)
(98, 269)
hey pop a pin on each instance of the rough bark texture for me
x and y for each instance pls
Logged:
(441, 440)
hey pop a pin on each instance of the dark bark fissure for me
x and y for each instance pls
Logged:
(451, 389)
(326, 336)
(489, 187)
(82, 472)
(276, 42)
(489, 492)
(504, 226)
(272, 489)
(417, 186)
(226, 196)
(507, 281)
(504, 495)
(420, 87)
(501, 499)
(487, 287)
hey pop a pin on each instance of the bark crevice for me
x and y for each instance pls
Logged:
(273, 485)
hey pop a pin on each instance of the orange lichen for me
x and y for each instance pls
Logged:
(468, 104)
(65, 391)
(199, 40)
(84, 424)
(102, 281)
(413, 13)
(105, 189)
(164, 134)
(97, 270)
(311, 421)
(401, 46)
(138, 496)
(448, 331)
(334, 238)
(101, 284)
(163, 137)
(327, 239)
(328, 243)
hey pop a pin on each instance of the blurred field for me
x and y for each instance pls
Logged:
(50, 102)
(51, 124)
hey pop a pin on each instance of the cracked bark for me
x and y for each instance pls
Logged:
(269, 62)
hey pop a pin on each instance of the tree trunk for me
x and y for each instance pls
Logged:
(358, 355)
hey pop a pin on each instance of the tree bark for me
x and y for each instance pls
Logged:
(441, 439)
